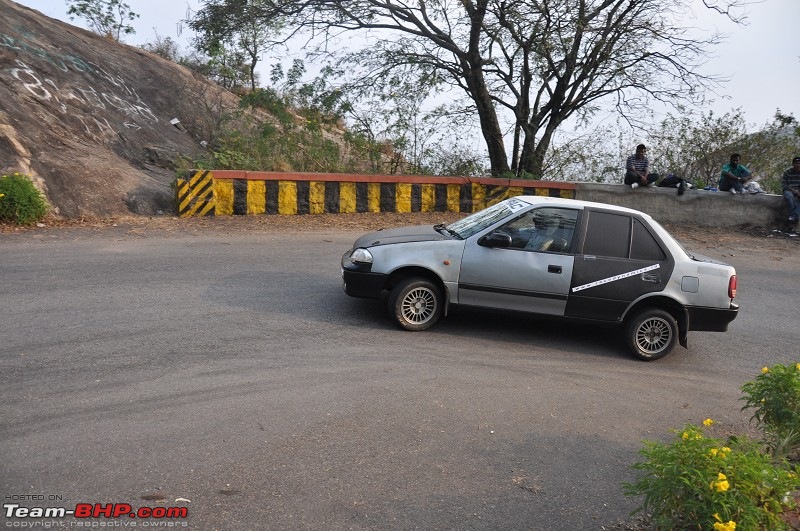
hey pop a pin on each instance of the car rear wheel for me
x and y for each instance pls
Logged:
(416, 303)
(651, 334)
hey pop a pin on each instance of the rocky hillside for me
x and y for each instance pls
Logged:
(100, 126)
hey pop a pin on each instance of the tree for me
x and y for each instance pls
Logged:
(233, 26)
(225, 66)
(696, 147)
(525, 66)
(769, 151)
(596, 155)
(164, 47)
(105, 17)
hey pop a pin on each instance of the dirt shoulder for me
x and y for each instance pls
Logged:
(697, 238)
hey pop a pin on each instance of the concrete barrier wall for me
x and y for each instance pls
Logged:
(698, 207)
(218, 192)
(225, 192)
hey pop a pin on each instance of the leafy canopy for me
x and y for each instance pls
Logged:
(105, 17)
(524, 68)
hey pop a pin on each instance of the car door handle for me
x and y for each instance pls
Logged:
(554, 269)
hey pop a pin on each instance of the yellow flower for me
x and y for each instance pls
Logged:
(722, 526)
(797, 366)
(721, 452)
(765, 370)
(685, 435)
(708, 422)
(3, 195)
(721, 484)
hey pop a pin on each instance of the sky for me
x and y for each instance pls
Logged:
(762, 58)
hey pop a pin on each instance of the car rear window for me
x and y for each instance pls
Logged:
(620, 236)
(644, 246)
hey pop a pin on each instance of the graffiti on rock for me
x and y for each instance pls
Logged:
(80, 100)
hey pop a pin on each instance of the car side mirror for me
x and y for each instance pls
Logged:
(495, 239)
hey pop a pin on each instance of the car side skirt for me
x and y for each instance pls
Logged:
(518, 292)
(595, 308)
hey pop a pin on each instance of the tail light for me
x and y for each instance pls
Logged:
(732, 287)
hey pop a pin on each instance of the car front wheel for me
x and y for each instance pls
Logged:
(416, 303)
(651, 334)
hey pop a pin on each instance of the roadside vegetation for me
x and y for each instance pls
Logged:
(21, 203)
(700, 481)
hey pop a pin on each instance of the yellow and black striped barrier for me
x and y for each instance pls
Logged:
(195, 196)
(226, 192)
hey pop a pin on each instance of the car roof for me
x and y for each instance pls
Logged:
(576, 203)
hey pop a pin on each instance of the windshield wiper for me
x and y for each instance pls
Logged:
(440, 227)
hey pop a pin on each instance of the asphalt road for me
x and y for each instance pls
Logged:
(228, 373)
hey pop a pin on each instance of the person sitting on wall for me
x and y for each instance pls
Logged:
(637, 169)
(790, 183)
(734, 176)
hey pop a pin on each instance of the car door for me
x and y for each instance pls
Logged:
(531, 273)
(618, 261)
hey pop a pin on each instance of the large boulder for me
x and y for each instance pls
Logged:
(101, 127)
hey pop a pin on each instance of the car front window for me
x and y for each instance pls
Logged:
(542, 229)
(474, 223)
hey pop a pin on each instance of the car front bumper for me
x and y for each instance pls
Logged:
(364, 285)
(360, 281)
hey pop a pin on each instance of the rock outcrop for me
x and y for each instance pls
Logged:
(101, 127)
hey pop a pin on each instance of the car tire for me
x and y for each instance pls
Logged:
(416, 303)
(651, 334)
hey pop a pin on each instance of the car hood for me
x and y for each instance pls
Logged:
(420, 233)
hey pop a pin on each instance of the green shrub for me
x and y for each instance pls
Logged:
(20, 201)
(698, 482)
(775, 397)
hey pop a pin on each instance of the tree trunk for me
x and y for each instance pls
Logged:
(492, 134)
(532, 160)
(472, 67)
(253, 64)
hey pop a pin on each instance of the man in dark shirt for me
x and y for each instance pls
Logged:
(790, 182)
(637, 169)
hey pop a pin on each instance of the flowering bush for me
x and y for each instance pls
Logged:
(699, 482)
(20, 201)
(775, 398)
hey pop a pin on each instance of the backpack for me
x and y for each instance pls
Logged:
(673, 181)
(670, 181)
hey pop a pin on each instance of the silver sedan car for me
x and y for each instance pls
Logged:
(549, 256)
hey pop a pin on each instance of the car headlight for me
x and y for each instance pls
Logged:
(361, 256)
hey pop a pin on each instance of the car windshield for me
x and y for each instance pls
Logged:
(474, 223)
